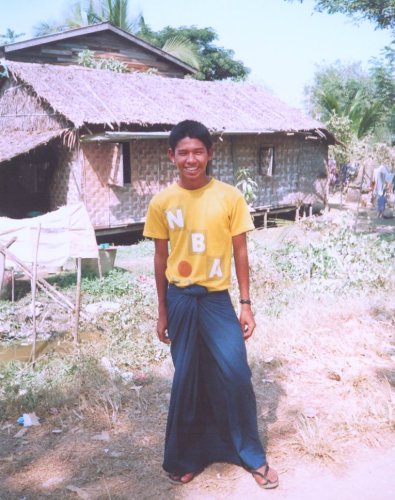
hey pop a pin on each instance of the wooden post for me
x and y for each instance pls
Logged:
(54, 294)
(2, 270)
(310, 210)
(12, 285)
(99, 265)
(77, 304)
(2, 262)
(34, 289)
(265, 219)
(359, 198)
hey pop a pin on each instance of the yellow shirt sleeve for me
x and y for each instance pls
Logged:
(241, 220)
(155, 225)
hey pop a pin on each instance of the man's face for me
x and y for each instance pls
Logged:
(191, 158)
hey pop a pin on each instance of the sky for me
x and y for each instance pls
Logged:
(282, 43)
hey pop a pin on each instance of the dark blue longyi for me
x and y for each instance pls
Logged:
(212, 414)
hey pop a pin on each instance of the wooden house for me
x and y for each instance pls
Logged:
(69, 133)
(104, 41)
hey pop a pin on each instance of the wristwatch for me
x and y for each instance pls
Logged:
(245, 301)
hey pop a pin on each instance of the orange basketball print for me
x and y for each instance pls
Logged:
(184, 268)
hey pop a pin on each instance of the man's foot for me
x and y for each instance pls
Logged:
(184, 479)
(265, 477)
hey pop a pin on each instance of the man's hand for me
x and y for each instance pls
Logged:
(247, 321)
(161, 329)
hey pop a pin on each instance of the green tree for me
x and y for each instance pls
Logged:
(382, 72)
(216, 63)
(10, 36)
(380, 12)
(348, 92)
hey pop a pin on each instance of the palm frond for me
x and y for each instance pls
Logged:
(117, 13)
(369, 119)
(46, 28)
(330, 103)
(182, 48)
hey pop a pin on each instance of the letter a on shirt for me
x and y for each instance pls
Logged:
(216, 269)
(175, 219)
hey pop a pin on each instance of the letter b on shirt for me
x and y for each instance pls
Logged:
(198, 242)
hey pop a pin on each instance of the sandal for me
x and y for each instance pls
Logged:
(176, 478)
(268, 484)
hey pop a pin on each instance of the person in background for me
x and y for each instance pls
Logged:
(381, 180)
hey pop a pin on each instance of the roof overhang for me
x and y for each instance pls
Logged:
(17, 143)
(134, 136)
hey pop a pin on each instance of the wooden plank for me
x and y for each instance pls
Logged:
(60, 52)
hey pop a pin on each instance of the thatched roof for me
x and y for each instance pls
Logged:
(16, 143)
(89, 96)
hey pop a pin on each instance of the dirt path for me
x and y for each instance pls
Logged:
(368, 477)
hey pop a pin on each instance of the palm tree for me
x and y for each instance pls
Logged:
(10, 36)
(83, 14)
(177, 45)
(86, 12)
(116, 12)
(364, 115)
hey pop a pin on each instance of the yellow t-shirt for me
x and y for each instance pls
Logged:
(200, 224)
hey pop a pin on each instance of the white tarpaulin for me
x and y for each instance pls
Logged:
(66, 232)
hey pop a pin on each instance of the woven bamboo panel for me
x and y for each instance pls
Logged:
(222, 167)
(66, 181)
(151, 172)
(297, 162)
(98, 164)
(112, 205)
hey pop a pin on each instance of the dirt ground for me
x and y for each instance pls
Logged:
(78, 454)
(73, 456)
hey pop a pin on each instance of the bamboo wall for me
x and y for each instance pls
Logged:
(67, 182)
(298, 164)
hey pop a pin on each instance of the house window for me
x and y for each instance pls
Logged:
(120, 174)
(126, 167)
(266, 160)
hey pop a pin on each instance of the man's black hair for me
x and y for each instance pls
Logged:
(191, 129)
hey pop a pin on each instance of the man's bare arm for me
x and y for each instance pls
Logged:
(160, 264)
(240, 254)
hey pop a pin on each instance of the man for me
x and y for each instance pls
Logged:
(381, 180)
(212, 414)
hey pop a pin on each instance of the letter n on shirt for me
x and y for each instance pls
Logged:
(175, 218)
